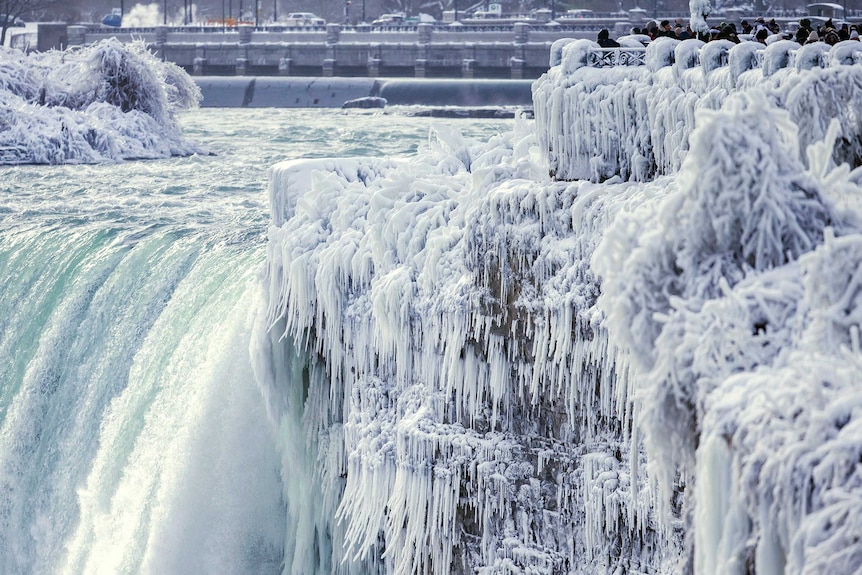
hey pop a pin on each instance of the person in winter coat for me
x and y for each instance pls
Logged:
(605, 40)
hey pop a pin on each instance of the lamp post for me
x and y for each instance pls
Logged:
(165, 12)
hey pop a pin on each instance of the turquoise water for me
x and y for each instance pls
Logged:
(133, 438)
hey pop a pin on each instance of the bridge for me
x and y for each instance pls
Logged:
(505, 50)
(514, 51)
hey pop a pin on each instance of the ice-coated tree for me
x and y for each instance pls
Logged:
(12, 10)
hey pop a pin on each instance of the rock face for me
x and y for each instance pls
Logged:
(476, 368)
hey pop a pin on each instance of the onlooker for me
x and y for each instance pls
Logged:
(651, 29)
(746, 27)
(728, 32)
(762, 35)
(664, 29)
(605, 40)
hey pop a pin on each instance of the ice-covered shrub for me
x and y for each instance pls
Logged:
(636, 123)
(741, 322)
(742, 204)
(791, 432)
(108, 101)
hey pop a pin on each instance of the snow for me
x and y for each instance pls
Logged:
(621, 338)
(105, 102)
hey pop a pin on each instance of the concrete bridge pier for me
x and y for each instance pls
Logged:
(517, 68)
(419, 68)
(424, 31)
(76, 35)
(373, 67)
(328, 68)
(199, 64)
(468, 68)
(522, 32)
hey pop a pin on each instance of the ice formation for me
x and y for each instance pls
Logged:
(635, 121)
(476, 367)
(108, 101)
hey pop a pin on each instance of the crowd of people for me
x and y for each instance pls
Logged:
(760, 31)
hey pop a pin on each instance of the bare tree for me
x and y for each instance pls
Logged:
(10, 10)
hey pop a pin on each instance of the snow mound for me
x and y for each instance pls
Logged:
(105, 102)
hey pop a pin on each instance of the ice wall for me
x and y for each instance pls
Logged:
(507, 373)
(635, 120)
(104, 102)
(462, 408)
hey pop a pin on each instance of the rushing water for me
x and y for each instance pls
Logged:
(133, 438)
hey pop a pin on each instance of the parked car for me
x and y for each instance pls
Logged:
(389, 20)
(304, 19)
(114, 19)
(13, 22)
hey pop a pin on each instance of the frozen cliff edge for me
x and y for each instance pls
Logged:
(476, 368)
(105, 102)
